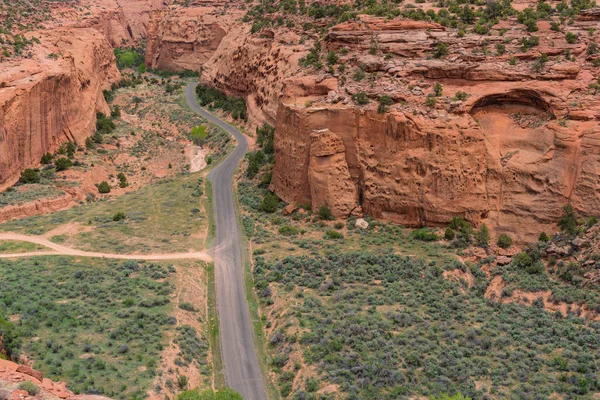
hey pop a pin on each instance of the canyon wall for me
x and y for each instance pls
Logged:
(521, 143)
(212, 40)
(52, 97)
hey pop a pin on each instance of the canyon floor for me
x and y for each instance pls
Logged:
(309, 201)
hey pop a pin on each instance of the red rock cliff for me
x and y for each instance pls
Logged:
(52, 97)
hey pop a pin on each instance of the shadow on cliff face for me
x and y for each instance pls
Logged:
(517, 97)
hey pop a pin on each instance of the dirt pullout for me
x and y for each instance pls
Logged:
(67, 251)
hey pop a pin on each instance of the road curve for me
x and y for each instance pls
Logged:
(240, 361)
(58, 249)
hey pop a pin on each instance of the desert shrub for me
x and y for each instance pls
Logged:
(123, 180)
(118, 216)
(568, 221)
(543, 237)
(62, 164)
(359, 74)
(30, 175)
(424, 235)
(288, 230)
(46, 158)
(104, 125)
(504, 241)
(441, 337)
(103, 187)
(384, 102)
(521, 260)
(116, 112)
(31, 388)
(461, 95)
(449, 234)
(483, 236)
(333, 234)
(360, 98)
(430, 102)
(10, 340)
(441, 50)
(570, 37)
(270, 203)
(438, 89)
(264, 137)
(324, 213)
(184, 305)
(255, 161)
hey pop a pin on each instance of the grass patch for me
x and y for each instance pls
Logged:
(14, 247)
(161, 217)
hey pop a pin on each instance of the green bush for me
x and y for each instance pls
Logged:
(441, 50)
(46, 158)
(504, 241)
(324, 213)
(438, 89)
(333, 234)
(543, 237)
(270, 203)
(30, 176)
(461, 95)
(570, 37)
(449, 234)
(184, 305)
(483, 236)
(424, 235)
(62, 164)
(10, 340)
(104, 125)
(104, 187)
(120, 215)
(360, 98)
(288, 230)
(568, 222)
(31, 388)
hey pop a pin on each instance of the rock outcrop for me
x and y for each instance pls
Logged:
(518, 144)
(52, 97)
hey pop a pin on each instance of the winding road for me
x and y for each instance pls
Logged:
(240, 361)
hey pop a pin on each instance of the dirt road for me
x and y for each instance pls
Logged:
(57, 249)
(242, 370)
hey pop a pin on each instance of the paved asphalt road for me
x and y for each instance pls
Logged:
(240, 361)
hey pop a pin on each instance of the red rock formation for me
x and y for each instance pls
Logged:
(45, 101)
(524, 142)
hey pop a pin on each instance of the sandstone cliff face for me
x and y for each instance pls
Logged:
(186, 40)
(211, 39)
(521, 145)
(45, 101)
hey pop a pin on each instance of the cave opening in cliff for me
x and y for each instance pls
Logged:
(519, 97)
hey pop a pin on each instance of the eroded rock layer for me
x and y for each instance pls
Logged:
(52, 97)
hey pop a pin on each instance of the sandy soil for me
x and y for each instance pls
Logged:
(67, 251)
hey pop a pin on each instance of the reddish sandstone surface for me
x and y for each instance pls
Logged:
(12, 374)
(522, 143)
(52, 97)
